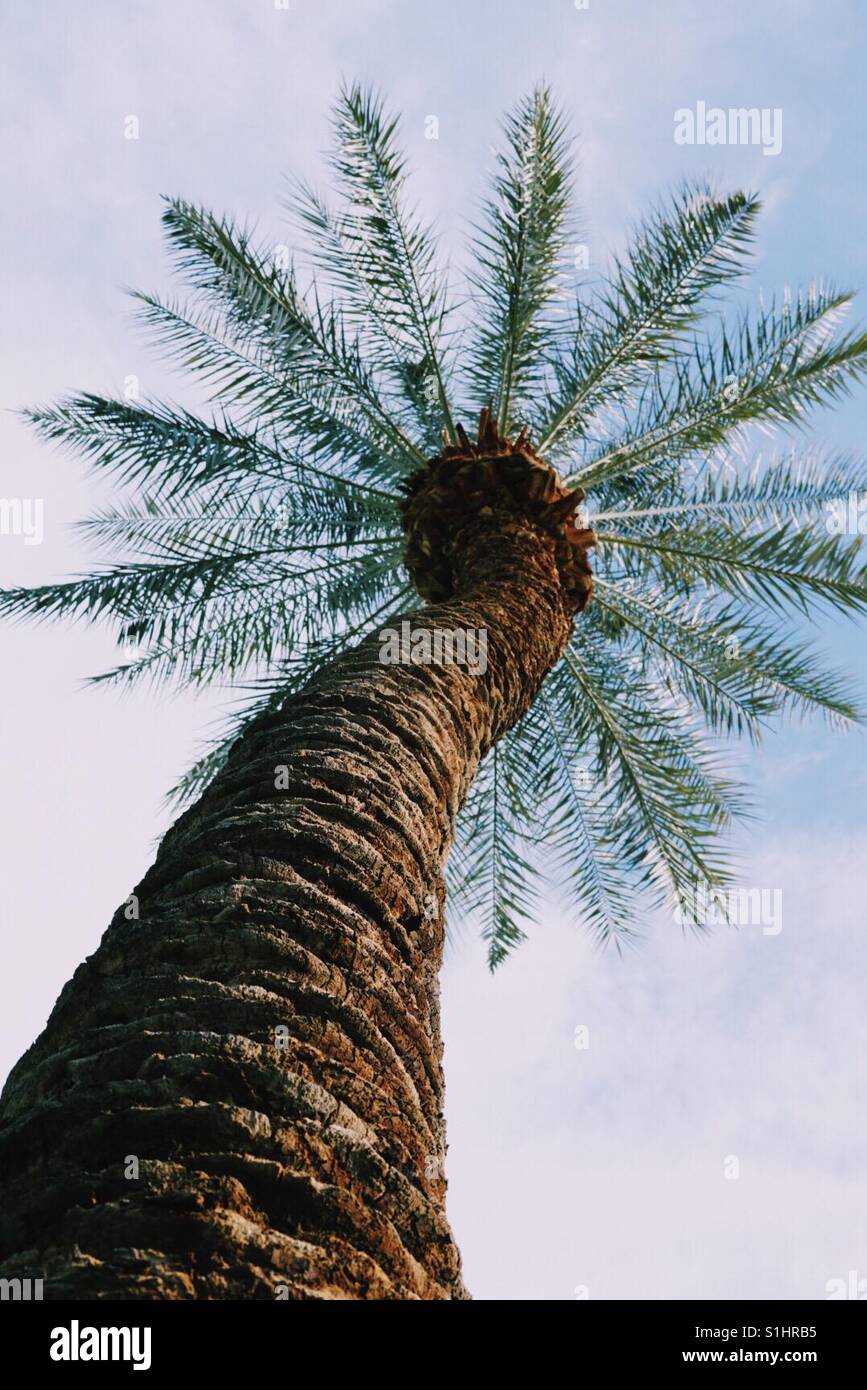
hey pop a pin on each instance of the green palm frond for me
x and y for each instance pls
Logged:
(394, 253)
(172, 451)
(678, 259)
(577, 834)
(775, 568)
(769, 371)
(691, 658)
(665, 794)
(132, 592)
(252, 627)
(259, 540)
(284, 678)
(285, 519)
(340, 253)
(737, 671)
(269, 318)
(490, 871)
(777, 490)
(314, 415)
(518, 251)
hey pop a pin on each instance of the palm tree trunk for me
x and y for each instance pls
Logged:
(239, 1094)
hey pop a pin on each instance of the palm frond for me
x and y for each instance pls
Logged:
(313, 415)
(250, 518)
(393, 252)
(769, 372)
(678, 258)
(268, 317)
(665, 798)
(341, 255)
(489, 870)
(736, 671)
(779, 490)
(285, 677)
(576, 830)
(775, 567)
(518, 249)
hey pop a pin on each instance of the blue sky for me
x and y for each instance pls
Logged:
(599, 1169)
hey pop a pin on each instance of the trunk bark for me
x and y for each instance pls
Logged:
(240, 1094)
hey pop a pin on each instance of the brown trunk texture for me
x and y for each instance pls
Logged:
(240, 1094)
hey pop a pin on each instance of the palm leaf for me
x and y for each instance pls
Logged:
(395, 254)
(678, 258)
(767, 372)
(518, 250)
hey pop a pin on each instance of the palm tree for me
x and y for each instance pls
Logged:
(239, 1094)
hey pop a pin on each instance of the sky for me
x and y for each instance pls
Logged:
(682, 1121)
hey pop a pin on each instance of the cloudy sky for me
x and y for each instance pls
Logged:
(607, 1168)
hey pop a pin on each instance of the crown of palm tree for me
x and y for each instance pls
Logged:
(261, 542)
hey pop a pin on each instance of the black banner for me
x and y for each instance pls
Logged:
(66, 1339)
